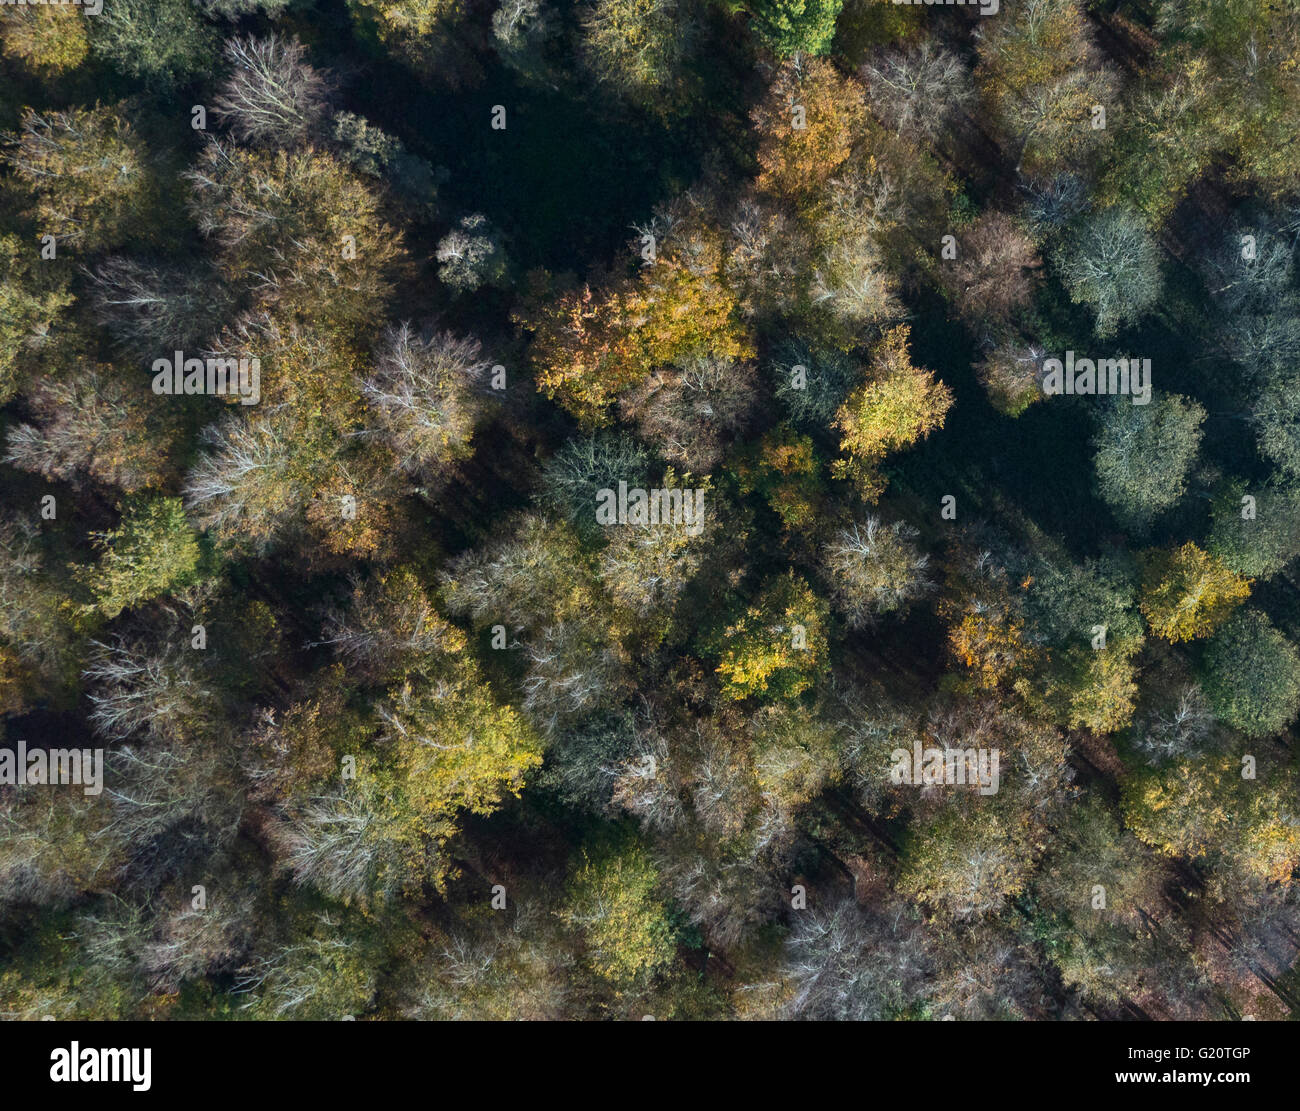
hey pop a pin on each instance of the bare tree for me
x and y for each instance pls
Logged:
(875, 568)
(1177, 731)
(243, 486)
(424, 395)
(853, 964)
(690, 412)
(138, 689)
(918, 91)
(151, 309)
(337, 844)
(190, 943)
(992, 276)
(573, 668)
(273, 95)
(391, 623)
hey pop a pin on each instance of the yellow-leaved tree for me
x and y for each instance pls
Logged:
(1188, 593)
(897, 405)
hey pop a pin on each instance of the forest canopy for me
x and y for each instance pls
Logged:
(701, 509)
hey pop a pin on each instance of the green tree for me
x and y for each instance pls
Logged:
(152, 552)
(611, 898)
(1142, 454)
(1252, 675)
(1256, 533)
(638, 47)
(32, 304)
(796, 26)
(1040, 74)
(88, 173)
(48, 41)
(159, 41)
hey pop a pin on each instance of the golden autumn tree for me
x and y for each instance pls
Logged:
(807, 125)
(776, 646)
(591, 344)
(896, 406)
(1187, 593)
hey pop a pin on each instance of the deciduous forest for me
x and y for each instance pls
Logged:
(698, 509)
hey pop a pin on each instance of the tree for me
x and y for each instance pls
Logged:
(152, 552)
(1142, 454)
(852, 963)
(1243, 55)
(918, 91)
(99, 424)
(611, 900)
(812, 383)
(1202, 809)
(774, 647)
(874, 568)
(1178, 730)
(457, 748)
(992, 277)
(236, 9)
(690, 412)
(48, 41)
(398, 22)
(1111, 264)
(273, 96)
(1096, 893)
(305, 232)
(1012, 373)
(786, 469)
(424, 396)
(574, 476)
(482, 973)
(588, 346)
(1252, 675)
(897, 405)
(32, 303)
(575, 668)
(969, 862)
(140, 689)
(531, 573)
(796, 26)
(1188, 593)
(794, 755)
(1256, 534)
(421, 33)
(807, 125)
(321, 968)
(154, 308)
(88, 173)
(244, 487)
(190, 944)
(159, 41)
(373, 152)
(471, 255)
(638, 47)
(645, 569)
(521, 30)
(849, 288)
(1276, 417)
(1040, 75)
